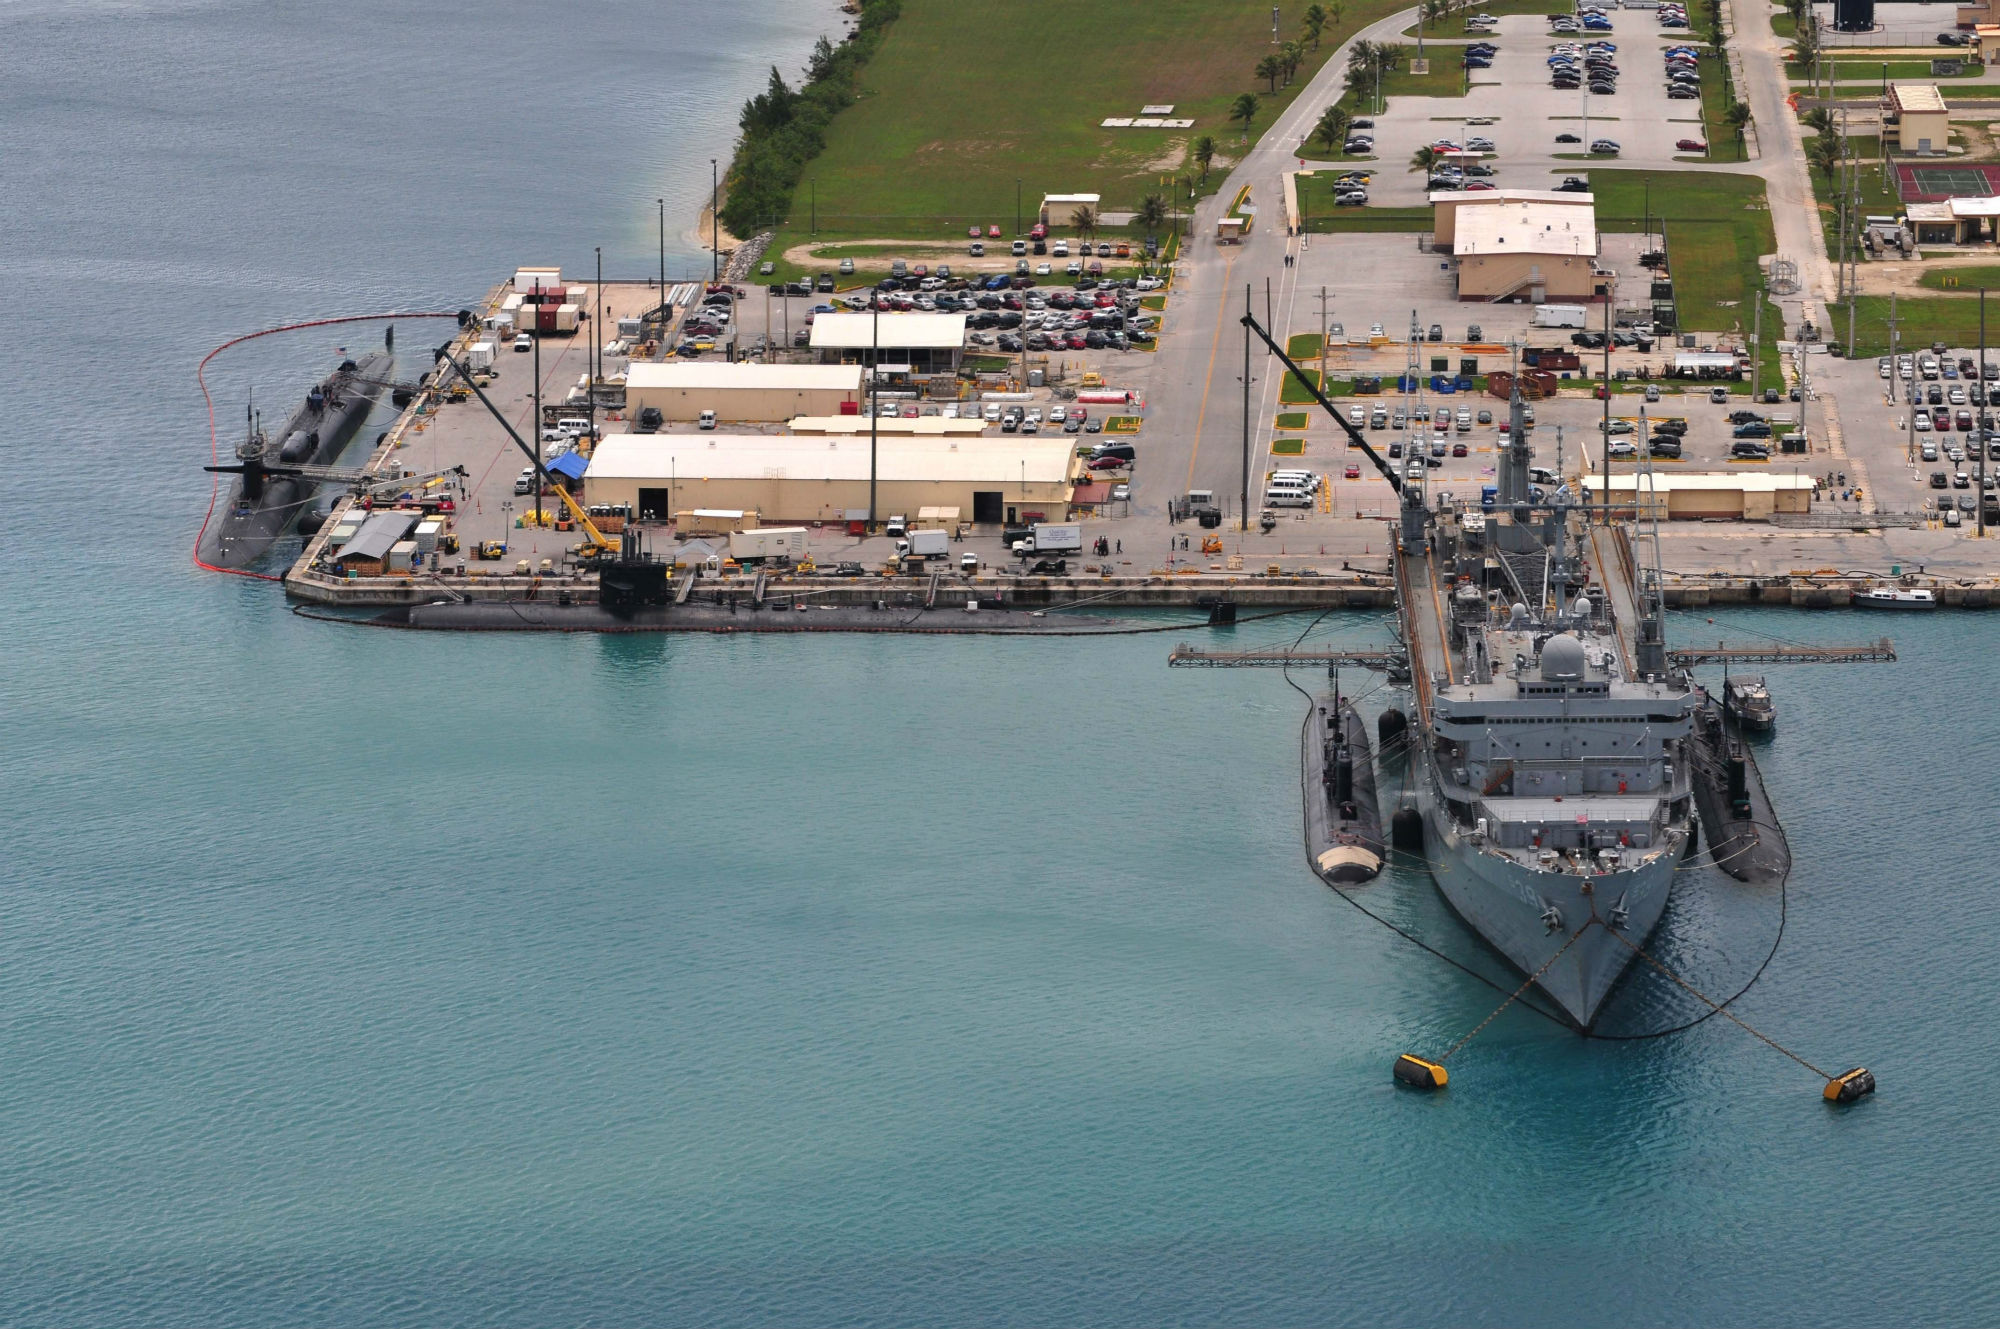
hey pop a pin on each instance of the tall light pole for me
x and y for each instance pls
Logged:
(663, 266)
(596, 347)
(1017, 205)
(714, 221)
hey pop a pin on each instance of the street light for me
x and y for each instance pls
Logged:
(1017, 205)
(714, 221)
(663, 258)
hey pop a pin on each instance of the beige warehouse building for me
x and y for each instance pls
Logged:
(683, 389)
(1749, 495)
(900, 343)
(1445, 206)
(1528, 250)
(826, 478)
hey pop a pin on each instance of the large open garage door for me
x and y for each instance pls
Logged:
(986, 506)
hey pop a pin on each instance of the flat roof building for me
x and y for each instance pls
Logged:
(1749, 495)
(683, 389)
(1445, 205)
(1529, 249)
(1915, 119)
(920, 343)
(800, 478)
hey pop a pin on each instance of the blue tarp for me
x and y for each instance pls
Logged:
(570, 465)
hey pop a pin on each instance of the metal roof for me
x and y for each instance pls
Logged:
(570, 464)
(718, 375)
(1512, 196)
(382, 532)
(1034, 460)
(891, 332)
(1740, 481)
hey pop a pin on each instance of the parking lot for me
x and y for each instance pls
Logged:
(1524, 125)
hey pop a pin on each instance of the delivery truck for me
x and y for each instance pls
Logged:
(768, 542)
(1051, 538)
(924, 544)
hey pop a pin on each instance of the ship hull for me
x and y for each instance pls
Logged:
(1504, 902)
(244, 529)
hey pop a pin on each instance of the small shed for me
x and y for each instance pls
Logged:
(368, 553)
(568, 470)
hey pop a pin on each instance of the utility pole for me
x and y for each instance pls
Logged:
(874, 387)
(537, 478)
(663, 270)
(596, 348)
(1607, 413)
(1243, 517)
(1323, 327)
(1757, 341)
(1980, 433)
(714, 221)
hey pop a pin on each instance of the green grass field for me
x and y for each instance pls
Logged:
(1953, 320)
(1969, 278)
(1878, 198)
(1717, 226)
(1295, 419)
(1847, 72)
(1350, 221)
(1301, 346)
(1784, 25)
(924, 153)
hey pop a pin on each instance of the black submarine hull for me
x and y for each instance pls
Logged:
(256, 514)
(1343, 835)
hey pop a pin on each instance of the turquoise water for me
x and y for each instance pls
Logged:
(356, 977)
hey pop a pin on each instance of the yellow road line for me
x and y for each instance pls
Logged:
(1201, 418)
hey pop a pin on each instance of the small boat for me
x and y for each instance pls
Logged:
(1894, 597)
(1748, 702)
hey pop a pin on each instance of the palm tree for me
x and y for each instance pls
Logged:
(1332, 127)
(1291, 55)
(1150, 214)
(1244, 108)
(1737, 116)
(1314, 23)
(1204, 155)
(1819, 119)
(1084, 220)
(1825, 155)
(1269, 68)
(1423, 159)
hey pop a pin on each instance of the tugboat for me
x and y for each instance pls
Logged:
(1747, 702)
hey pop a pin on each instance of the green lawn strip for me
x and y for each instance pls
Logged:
(1445, 79)
(1784, 25)
(1295, 391)
(1870, 71)
(1288, 447)
(1970, 278)
(1349, 221)
(1953, 320)
(1295, 419)
(923, 155)
(1152, 302)
(1301, 346)
(1716, 95)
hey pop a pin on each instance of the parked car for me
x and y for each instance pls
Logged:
(1604, 147)
(1568, 138)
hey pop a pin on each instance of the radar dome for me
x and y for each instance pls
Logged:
(1582, 607)
(1562, 659)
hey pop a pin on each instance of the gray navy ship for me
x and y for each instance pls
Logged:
(1550, 760)
(275, 482)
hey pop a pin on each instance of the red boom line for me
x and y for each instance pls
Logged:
(214, 452)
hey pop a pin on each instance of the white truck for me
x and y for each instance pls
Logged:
(925, 544)
(1560, 316)
(768, 542)
(1051, 538)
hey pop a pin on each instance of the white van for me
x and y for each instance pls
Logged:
(706, 420)
(1306, 478)
(1287, 498)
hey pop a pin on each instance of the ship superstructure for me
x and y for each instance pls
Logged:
(1550, 766)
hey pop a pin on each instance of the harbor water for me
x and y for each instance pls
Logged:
(352, 977)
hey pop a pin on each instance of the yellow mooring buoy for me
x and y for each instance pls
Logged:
(1421, 1074)
(1850, 1086)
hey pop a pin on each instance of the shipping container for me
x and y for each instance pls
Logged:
(481, 355)
(566, 318)
(1559, 316)
(526, 279)
(768, 542)
(427, 535)
(401, 554)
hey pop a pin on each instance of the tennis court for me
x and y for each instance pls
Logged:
(1931, 184)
